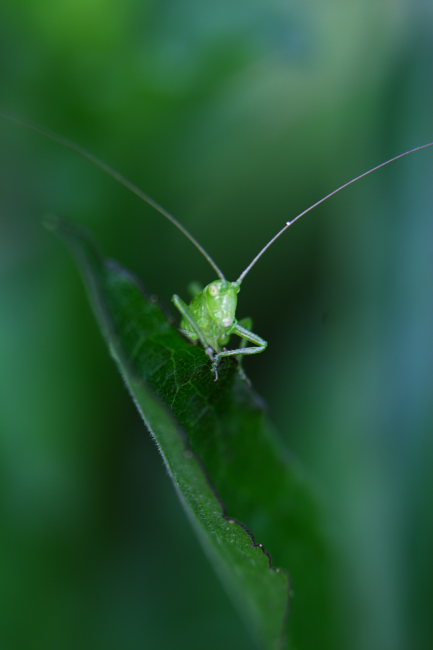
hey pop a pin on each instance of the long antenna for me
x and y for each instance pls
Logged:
(322, 200)
(69, 144)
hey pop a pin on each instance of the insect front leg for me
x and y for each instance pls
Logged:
(186, 313)
(246, 335)
(247, 324)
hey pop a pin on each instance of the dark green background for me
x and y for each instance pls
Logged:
(235, 116)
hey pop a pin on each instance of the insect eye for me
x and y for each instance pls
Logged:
(213, 290)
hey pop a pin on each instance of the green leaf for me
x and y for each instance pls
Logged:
(244, 498)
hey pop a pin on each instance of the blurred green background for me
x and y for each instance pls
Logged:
(235, 116)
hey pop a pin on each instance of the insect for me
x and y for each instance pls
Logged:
(210, 317)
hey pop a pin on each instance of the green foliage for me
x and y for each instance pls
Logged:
(235, 116)
(230, 474)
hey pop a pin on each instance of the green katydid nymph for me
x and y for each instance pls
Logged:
(210, 317)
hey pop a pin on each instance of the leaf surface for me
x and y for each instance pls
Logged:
(245, 499)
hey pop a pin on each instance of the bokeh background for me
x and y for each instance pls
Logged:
(235, 116)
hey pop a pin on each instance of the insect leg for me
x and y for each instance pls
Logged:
(186, 313)
(247, 324)
(246, 335)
